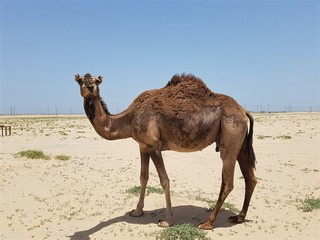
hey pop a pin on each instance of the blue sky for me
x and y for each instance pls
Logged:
(259, 52)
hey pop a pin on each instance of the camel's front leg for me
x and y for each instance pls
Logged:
(165, 183)
(144, 176)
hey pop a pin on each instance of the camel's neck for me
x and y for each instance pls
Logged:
(108, 126)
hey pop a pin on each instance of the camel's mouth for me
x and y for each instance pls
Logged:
(85, 92)
(90, 88)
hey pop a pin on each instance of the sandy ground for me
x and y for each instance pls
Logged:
(86, 196)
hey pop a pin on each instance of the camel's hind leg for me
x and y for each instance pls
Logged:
(228, 160)
(250, 181)
(231, 141)
(144, 176)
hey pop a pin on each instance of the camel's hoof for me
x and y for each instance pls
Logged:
(236, 219)
(136, 213)
(207, 225)
(164, 224)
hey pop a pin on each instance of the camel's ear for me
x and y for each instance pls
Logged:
(77, 78)
(99, 79)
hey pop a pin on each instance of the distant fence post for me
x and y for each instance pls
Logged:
(7, 130)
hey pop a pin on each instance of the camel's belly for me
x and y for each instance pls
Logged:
(195, 133)
(178, 148)
(196, 141)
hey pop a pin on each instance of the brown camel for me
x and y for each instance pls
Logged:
(183, 116)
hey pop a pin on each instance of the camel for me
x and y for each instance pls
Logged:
(183, 116)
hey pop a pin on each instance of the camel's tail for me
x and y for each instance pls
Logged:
(248, 144)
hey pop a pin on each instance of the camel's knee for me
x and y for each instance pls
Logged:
(228, 175)
(254, 182)
(251, 186)
(227, 183)
(228, 188)
(144, 177)
(250, 181)
(165, 183)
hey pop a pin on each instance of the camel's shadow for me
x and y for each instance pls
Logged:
(182, 214)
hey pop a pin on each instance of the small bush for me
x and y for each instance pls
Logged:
(286, 137)
(155, 190)
(263, 137)
(182, 232)
(62, 157)
(136, 190)
(310, 204)
(33, 154)
(225, 205)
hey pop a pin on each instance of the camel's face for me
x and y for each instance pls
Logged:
(89, 85)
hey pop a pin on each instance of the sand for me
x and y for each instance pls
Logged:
(86, 197)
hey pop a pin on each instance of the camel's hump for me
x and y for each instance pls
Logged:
(189, 83)
(183, 78)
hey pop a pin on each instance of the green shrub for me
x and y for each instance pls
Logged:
(33, 154)
(286, 137)
(310, 204)
(225, 205)
(62, 157)
(136, 190)
(182, 232)
(155, 190)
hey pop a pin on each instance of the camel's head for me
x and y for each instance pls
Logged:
(89, 85)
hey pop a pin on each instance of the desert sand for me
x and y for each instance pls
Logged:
(86, 197)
